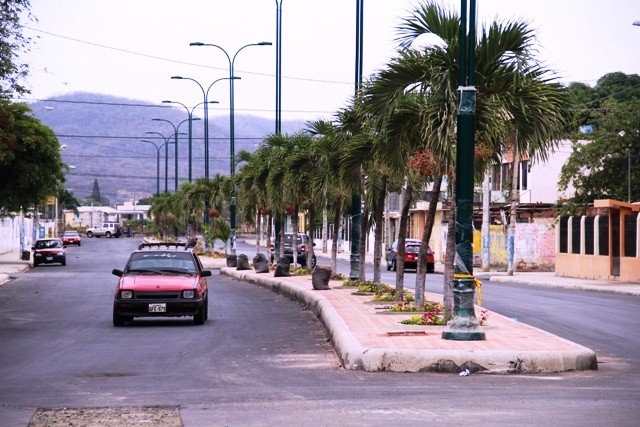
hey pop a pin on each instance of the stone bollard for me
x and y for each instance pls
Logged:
(282, 268)
(260, 263)
(232, 260)
(320, 278)
(243, 262)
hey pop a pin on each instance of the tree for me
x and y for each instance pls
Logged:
(30, 165)
(95, 193)
(12, 42)
(606, 164)
(513, 92)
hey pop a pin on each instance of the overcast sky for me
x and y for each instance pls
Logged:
(131, 48)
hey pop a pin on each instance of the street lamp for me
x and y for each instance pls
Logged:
(206, 103)
(175, 134)
(191, 119)
(231, 60)
(166, 159)
(158, 147)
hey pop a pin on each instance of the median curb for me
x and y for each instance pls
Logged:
(355, 356)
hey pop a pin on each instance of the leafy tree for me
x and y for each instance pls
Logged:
(604, 165)
(30, 163)
(12, 42)
(515, 95)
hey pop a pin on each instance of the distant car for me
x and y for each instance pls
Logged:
(49, 251)
(161, 279)
(302, 243)
(71, 237)
(392, 253)
(106, 229)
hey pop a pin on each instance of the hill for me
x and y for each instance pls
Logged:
(101, 138)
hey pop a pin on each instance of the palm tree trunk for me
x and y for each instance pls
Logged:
(421, 274)
(450, 254)
(362, 245)
(337, 216)
(407, 198)
(379, 220)
(309, 230)
(515, 198)
(257, 230)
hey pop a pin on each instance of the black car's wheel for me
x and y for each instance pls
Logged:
(430, 268)
(388, 266)
(206, 308)
(314, 262)
(35, 263)
(199, 318)
(79, 244)
(393, 265)
(117, 319)
(89, 234)
(64, 262)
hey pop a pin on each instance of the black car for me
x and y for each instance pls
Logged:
(303, 244)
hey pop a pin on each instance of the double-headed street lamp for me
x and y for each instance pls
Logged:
(231, 60)
(158, 148)
(175, 134)
(191, 119)
(166, 158)
(206, 103)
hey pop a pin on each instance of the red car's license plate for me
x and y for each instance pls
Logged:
(157, 308)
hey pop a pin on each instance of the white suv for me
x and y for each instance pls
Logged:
(107, 229)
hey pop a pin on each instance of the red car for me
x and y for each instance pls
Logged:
(161, 279)
(71, 237)
(49, 251)
(411, 255)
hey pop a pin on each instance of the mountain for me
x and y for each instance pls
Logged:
(101, 139)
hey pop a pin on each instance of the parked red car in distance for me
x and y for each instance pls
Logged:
(71, 237)
(411, 255)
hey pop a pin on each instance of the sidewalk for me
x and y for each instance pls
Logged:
(367, 337)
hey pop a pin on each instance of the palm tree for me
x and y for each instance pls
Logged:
(327, 182)
(513, 92)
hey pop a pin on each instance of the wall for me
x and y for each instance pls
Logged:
(16, 233)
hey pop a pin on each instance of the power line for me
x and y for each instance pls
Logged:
(130, 52)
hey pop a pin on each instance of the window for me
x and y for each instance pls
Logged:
(524, 170)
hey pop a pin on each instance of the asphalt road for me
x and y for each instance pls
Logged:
(263, 360)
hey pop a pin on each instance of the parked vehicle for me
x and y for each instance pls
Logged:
(106, 229)
(303, 244)
(161, 279)
(49, 251)
(71, 237)
(411, 255)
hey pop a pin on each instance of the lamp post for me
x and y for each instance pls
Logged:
(158, 147)
(206, 103)
(191, 119)
(175, 134)
(231, 60)
(166, 158)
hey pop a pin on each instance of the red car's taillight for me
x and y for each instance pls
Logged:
(271, 247)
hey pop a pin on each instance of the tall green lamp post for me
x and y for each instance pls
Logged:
(205, 94)
(231, 60)
(166, 158)
(191, 119)
(464, 326)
